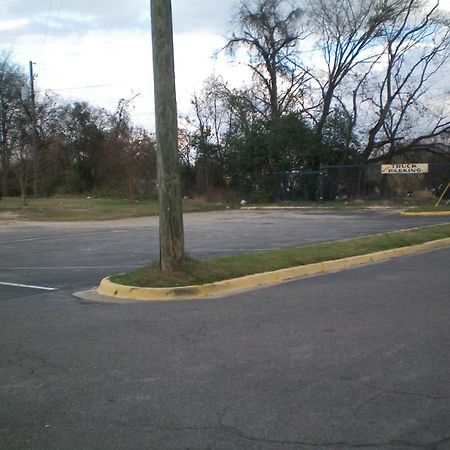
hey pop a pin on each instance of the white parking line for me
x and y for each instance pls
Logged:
(73, 235)
(42, 288)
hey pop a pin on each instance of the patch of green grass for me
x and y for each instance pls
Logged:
(343, 205)
(71, 208)
(430, 208)
(218, 269)
(80, 208)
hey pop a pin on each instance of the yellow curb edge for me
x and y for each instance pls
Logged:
(257, 208)
(314, 207)
(226, 287)
(428, 213)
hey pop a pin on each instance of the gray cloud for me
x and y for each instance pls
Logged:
(192, 15)
(62, 17)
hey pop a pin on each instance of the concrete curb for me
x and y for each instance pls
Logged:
(316, 208)
(428, 213)
(263, 208)
(227, 287)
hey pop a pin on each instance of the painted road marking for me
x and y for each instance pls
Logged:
(28, 286)
(73, 267)
(75, 235)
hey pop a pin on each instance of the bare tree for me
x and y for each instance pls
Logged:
(127, 144)
(21, 148)
(212, 111)
(135, 158)
(347, 32)
(12, 78)
(416, 43)
(21, 161)
(271, 30)
(210, 129)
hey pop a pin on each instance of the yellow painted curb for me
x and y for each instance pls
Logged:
(234, 285)
(262, 208)
(312, 207)
(428, 213)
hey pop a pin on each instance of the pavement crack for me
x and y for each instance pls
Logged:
(42, 360)
(397, 392)
(308, 445)
(366, 402)
(195, 334)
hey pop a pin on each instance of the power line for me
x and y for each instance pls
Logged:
(144, 114)
(44, 41)
(93, 86)
(57, 19)
(50, 30)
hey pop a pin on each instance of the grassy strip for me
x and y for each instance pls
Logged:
(68, 208)
(431, 208)
(410, 203)
(217, 269)
(78, 208)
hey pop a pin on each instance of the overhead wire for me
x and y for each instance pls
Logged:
(44, 41)
(50, 30)
(92, 86)
(58, 17)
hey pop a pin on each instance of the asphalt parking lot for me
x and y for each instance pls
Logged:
(77, 255)
(355, 359)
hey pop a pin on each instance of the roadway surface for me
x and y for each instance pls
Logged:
(77, 255)
(355, 359)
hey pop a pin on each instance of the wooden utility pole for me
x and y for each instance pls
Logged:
(35, 154)
(171, 233)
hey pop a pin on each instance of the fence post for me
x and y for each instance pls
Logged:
(321, 183)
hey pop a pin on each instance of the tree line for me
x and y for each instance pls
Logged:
(333, 82)
(80, 148)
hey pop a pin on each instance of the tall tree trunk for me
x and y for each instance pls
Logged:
(22, 178)
(4, 177)
(328, 98)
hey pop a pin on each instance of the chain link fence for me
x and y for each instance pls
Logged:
(351, 182)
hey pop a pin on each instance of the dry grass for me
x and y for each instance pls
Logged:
(79, 208)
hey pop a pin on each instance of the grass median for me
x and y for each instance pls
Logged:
(430, 208)
(73, 208)
(67, 208)
(218, 269)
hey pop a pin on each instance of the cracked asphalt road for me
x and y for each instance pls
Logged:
(355, 359)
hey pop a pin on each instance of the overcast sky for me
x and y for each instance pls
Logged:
(100, 50)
